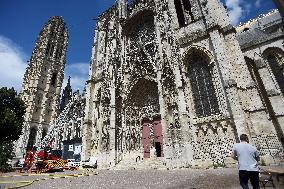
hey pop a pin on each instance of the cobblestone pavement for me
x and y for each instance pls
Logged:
(138, 179)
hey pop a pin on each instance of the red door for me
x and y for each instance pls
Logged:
(158, 140)
(146, 137)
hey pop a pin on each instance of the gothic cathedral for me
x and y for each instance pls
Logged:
(173, 79)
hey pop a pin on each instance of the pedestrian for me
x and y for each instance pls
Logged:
(247, 157)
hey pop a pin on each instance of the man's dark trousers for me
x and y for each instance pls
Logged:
(253, 176)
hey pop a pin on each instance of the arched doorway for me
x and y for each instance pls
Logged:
(142, 118)
(141, 100)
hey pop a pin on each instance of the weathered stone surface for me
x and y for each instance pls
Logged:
(42, 83)
(184, 64)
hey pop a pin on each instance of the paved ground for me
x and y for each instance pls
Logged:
(136, 179)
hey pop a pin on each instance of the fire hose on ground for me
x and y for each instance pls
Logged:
(24, 183)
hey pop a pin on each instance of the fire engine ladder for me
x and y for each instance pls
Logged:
(57, 124)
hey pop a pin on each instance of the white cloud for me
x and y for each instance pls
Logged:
(235, 10)
(79, 75)
(257, 3)
(12, 64)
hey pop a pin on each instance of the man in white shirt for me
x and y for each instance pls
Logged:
(247, 157)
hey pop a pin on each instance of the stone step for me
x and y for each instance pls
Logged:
(151, 163)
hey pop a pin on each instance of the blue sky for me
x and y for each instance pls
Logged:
(22, 20)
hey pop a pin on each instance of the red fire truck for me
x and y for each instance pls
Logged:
(45, 160)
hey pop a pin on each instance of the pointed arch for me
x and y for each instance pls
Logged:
(144, 93)
(199, 50)
(184, 12)
(275, 60)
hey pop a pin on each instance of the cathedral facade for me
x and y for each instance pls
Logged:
(42, 83)
(174, 80)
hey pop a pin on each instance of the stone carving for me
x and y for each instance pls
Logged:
(268, 143)
(95, 141)
(214, 141)
(105, 137)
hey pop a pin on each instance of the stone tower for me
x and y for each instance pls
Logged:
(42, 82)
(66, 95)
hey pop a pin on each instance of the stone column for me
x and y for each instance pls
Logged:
(183, 115)
(87, 123)
(159, 19)
(123, 126)
(21, 144)
(274, 95)
(186, 147)
(55, 139)
(162, 108)
(112, 124)
(228, 80)
(81, 127)
(86, 142)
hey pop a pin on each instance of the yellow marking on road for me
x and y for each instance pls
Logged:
(24, 175)
(52, 176)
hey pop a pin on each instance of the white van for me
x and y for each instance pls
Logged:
(90, 163)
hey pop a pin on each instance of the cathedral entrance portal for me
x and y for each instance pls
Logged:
(141, 106)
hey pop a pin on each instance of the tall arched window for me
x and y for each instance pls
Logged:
(276, 68)
(205, 100)
(184, 13)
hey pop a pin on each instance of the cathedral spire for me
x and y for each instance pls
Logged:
(68, 83)
(66, 94)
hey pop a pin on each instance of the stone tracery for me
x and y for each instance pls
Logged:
(214, 141)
